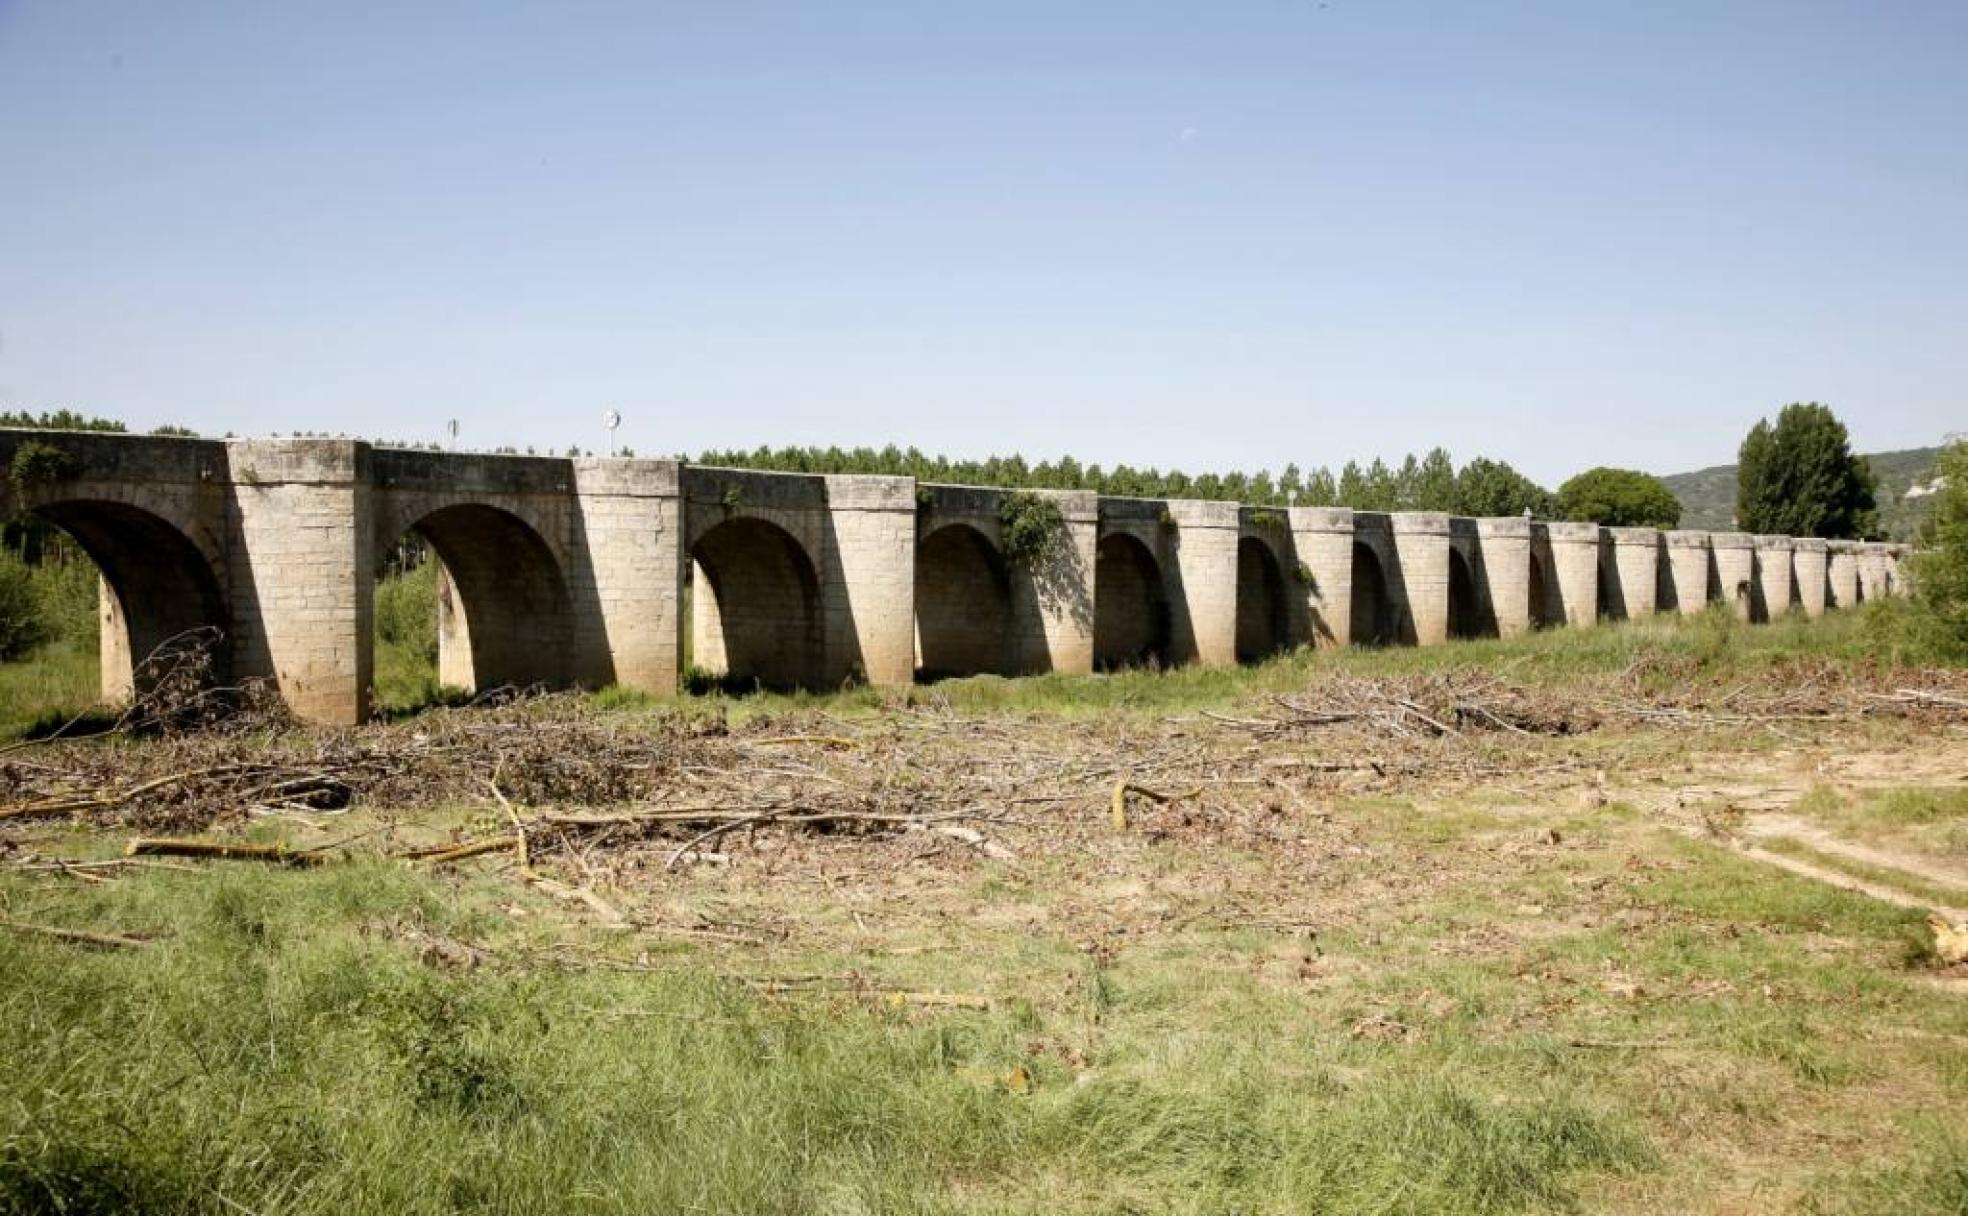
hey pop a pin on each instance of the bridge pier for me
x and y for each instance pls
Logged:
(1630, 574)
(1420, 591)
(1773, 585)
(303, 573)
(1503, 574)
(1810, 569)
(1570, 551)
(1323, 538)
(1202, 547)
(626, 575)
(1735, 571)
(868, 588)
(1686, 576)
(1842, 573)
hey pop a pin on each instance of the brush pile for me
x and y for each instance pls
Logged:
(556, 771)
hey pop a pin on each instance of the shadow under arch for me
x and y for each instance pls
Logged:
(504, 615)
(1130, 608)
(1542, 616)
(160, 586)
(1372, 612)
(1465, 608)
(963, 606)
(755, 606)
(1263, 612)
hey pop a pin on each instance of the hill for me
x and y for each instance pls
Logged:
(1708, 496)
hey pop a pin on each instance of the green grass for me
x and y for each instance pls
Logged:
(1665, 654)
(282, 1047)
(1912, 884)
(1930, 820)
(57, 682)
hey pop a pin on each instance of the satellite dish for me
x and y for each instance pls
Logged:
(610, 419)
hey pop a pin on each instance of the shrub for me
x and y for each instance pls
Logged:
(1940, 568)
(37, 463)
(22, 626)
(1032, 526)
(65, 589)
(406, 611)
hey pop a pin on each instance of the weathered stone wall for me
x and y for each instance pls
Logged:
(964, 622)
(1049, 596)
(1192, 613)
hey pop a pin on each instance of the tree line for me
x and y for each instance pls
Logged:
(1426, 483)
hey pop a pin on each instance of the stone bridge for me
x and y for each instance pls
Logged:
(586, 572)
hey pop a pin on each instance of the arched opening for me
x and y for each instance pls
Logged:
(755, 607)
(1543, 611)
(1373, 616)
(963, 606)
(1130, 609)
(470, 599)
(1465, 609)
(1263, 628)
(157, 591)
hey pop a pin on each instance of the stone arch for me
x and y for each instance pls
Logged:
(1263, 621)
(159, 586)
(1465, 606)
(963, 605)
(755, 606)
(504, 616)
(1372, 611)
(1130, 607)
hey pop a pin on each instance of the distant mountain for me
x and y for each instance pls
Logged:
(1708, 496)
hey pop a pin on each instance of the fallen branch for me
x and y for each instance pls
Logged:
(115, 941)
(279, 854)
(445, 854)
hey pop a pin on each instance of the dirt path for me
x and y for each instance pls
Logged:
(1849, 882)
(1773, 825)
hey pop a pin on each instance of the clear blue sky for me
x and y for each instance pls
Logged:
(1205, 235)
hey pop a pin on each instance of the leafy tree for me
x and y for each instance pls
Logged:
(1491, 488)
(1619, 498)
(1800, 478)
(59, 420)
(1435, 483)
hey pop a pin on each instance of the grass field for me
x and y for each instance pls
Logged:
(1335, 969)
